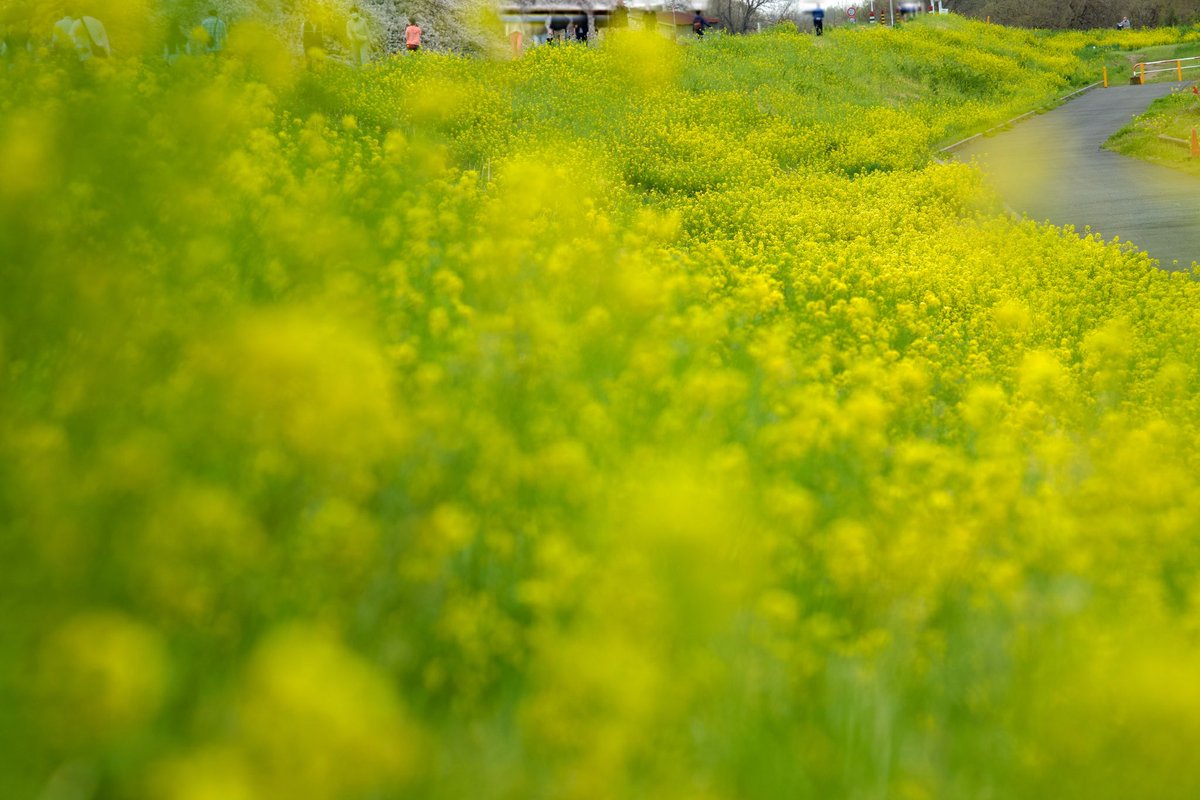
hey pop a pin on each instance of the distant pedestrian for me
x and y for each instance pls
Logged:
(61, 40)
(215, 31)
(1124, 24)
(650, 20)
(620, 15)
(312, 39)
(818, 18)
(17, 42)
(176, 42)
(412, 36)
(358, 36)
(91, 38)
(699, 23)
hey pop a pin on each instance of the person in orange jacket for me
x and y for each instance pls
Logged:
(412, 36)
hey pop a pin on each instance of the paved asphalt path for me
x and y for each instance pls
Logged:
(1050, 167)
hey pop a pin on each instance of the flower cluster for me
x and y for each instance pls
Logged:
(634, 421)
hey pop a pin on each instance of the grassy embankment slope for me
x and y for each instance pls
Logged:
(1163, 133)
(643, 421)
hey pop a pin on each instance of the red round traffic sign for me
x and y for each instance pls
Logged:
(851, 11)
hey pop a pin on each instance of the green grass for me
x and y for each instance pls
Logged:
(1159, 53)
(1175, 116)
(1120, 59)
(1167, 51)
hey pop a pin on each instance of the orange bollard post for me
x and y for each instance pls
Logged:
(1106, 77)
(1195, 144)
(1143, 68)
(1179, 69)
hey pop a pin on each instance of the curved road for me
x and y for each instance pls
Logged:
(1051, 167)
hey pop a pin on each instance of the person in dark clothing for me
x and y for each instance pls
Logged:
(17, 42)
(818, 17)
(620, 15)
(312, 37)
(176, 43)
(649, 20)
(699, 23)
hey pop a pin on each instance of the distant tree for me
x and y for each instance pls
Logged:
(1080, 13)
(738, 15)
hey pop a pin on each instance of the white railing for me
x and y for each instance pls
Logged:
(1177, 65)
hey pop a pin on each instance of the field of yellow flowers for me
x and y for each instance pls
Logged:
(648, 421)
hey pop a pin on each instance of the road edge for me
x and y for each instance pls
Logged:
(1053, 104)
